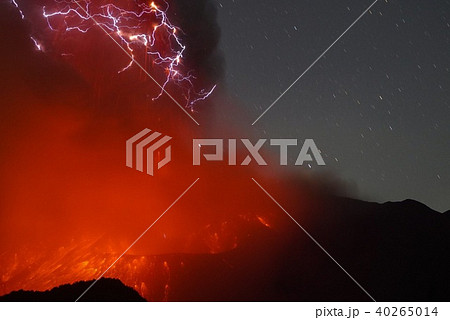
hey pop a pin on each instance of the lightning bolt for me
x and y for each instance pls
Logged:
(146, 29)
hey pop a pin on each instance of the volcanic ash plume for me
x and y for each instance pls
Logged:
(70, 99)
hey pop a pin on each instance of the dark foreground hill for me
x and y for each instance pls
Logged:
(397, 251)
(104, 290)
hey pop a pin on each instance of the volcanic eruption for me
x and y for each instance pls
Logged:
(71, 205)
(82, 77)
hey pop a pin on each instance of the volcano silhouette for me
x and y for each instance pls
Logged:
(397, 251)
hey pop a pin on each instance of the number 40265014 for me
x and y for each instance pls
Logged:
(407, 311)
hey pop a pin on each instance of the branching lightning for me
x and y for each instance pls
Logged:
(145, 29)
(18, 8)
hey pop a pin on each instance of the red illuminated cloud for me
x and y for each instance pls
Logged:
(143, 31)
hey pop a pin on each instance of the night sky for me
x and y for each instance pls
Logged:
(377, 104)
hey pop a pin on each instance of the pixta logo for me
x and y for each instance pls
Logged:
(145, 145)
(306, 154)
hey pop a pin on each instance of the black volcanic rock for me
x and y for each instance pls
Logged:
(105, 290)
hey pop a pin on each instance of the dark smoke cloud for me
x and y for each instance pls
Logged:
(63, 123)
(198, 20)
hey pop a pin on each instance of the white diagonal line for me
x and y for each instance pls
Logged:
(315, 61)
(135, 241)
(315, 241)
(135, 62)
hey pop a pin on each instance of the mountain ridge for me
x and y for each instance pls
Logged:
(397, 251)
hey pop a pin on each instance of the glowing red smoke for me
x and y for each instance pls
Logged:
(143, 31)
(69, 204)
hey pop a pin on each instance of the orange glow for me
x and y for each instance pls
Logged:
(70, 206)
(264, 222)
